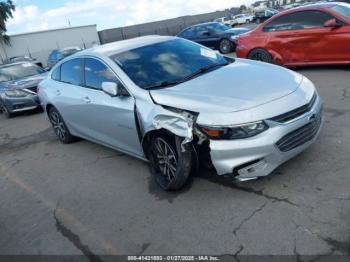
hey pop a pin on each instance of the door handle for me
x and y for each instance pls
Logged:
(58, 92)
(87, 100)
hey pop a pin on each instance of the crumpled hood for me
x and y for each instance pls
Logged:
(242, 85)
(23, 83)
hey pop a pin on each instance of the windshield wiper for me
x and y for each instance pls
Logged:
(186, 78)
(203, 70)
(163, 84)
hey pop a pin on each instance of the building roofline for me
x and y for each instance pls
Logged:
(51, 30)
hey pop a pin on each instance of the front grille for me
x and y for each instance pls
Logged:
(301, 135)
(296, 112)
(34, 89)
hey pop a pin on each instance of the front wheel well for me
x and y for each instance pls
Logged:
(147, 139)
(48, 107)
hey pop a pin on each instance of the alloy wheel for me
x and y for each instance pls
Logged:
(166, 159)
(225, 46)
(58, 125)
(260, 57)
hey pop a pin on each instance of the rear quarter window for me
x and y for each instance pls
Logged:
(56, 74)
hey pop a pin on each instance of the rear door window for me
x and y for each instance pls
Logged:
(56, 74)
(188, 33)
(72, 72)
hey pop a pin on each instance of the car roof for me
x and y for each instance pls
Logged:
(313, 6)
(125, 45)
(201, 24)
(70, 48)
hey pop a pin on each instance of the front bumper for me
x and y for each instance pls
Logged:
(19, 104)
(258, 156)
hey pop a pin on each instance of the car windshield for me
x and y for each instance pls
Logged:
(343, 10)
(168, 62)
(18, 71)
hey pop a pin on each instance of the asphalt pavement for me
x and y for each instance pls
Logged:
(86, 199)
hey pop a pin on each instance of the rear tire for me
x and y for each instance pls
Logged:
(60, 127)
(170, 166)
(260, 54)
(225, 46)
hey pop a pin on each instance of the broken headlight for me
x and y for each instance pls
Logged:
(235, 132)
(15, 93)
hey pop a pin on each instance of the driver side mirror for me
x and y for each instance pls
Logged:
(331, 23)
(112, 88)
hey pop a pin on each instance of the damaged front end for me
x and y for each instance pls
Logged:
(182, 123)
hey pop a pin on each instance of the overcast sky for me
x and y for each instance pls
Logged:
(33, 15)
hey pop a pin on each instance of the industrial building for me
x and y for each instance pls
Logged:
(39, 44)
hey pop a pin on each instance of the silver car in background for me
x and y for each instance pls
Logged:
(178, 104)
(18, 87)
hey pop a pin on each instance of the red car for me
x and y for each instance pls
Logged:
(317, 34)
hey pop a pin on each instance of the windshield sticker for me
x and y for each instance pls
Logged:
(208, 53)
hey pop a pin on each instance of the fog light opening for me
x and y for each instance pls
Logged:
(249, 168)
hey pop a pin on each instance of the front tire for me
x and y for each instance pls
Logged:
(5, 110)
(260, 54)
(225, 46)
(170, 165)
(60, 127)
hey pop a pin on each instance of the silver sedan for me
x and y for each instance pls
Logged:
(177, 104)
(18, 87)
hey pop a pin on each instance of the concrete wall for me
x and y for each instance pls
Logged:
(164, 27)
(40, 44)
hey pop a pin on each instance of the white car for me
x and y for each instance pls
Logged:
(242, 19)
(223, 20)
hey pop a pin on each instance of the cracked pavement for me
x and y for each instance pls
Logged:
(88, 200)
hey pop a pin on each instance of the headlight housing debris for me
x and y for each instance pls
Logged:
(235, 132)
